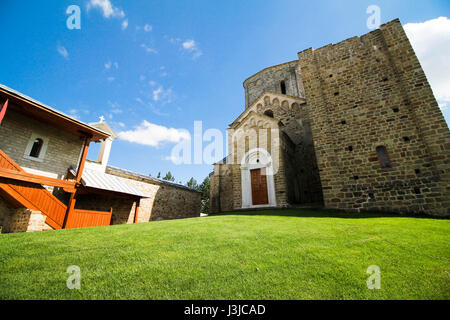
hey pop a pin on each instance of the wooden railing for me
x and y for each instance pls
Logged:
(86, 218)
(30, 193)
(7, 163)
(33, 178)
(27, 190)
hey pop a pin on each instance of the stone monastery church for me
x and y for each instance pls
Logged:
(352, 126)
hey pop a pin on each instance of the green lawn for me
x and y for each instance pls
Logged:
(284, 254)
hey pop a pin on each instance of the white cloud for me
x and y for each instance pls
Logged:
(191, 46)
(140, 101)
(109, 64)
(63, 51)
(160, 94)
(153, 135)
(108, 9)
(148, 49)
(124, 24)
(148, 28)
(115, 107)
(431, 42)
(151, 107)
(188, 45)
(157, 93)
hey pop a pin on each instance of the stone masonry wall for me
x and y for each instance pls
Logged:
(298, 181)
(254, 132)
(221, 188)
(165, 202)
(20, 219)
(270, 79)
(371, 91)
(63, 148)
(304, 180)
(5, 211)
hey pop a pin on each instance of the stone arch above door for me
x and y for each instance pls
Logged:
(255, 159)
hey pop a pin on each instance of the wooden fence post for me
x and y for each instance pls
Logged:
(136, 211)
(70, 209)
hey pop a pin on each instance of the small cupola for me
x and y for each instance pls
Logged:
(105, 147)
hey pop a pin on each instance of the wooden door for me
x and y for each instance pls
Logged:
(259, 187)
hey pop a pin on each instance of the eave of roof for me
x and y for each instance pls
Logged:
(102, 181)
(257, 100)
(48, 114)
(104, 126)
(247, 116)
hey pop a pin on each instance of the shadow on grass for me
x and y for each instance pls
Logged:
(323, 213)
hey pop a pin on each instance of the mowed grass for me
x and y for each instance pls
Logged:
(284, 254)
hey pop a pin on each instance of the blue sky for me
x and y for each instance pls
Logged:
(158, 66)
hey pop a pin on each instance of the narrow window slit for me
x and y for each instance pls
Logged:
(37, 147)
(383, 157)
(283, 87)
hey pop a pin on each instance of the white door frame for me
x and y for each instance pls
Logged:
(250, 162)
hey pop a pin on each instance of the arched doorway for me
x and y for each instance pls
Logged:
(257, 181)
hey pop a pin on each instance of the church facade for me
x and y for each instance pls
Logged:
(352, 126)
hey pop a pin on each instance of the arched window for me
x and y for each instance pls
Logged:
(36, 148)
(383, 157)
(268, 113)
(283, 87)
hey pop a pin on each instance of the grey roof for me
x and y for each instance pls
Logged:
(48, 107)
(100, 180)
(147, 177)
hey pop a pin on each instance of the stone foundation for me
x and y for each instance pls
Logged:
(20, 219)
